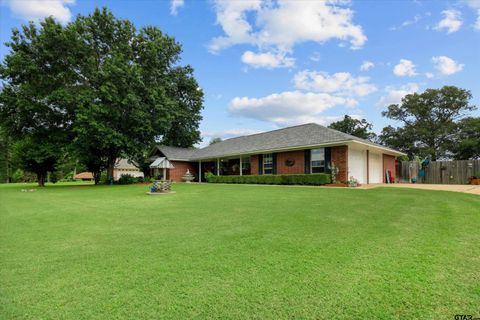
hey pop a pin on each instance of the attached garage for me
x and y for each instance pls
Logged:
(357, 164)
(374, 168)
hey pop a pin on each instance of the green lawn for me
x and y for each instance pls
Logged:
(238, 251)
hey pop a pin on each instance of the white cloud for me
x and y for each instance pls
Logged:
(452, 21)
(405, 68)
(231, 15)
(395, 95)
(175, 5)
(407, 23)
(340, 83)
(475, 5)
(267, 60)
(279, 26)
(367, 65)
(34, 10)
(429, 75)
(446, 65)
(287, 108)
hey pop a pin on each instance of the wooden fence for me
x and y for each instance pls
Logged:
(439, 172)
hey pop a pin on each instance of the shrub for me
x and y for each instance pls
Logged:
(209, 177)
(314, 179)
(104, 178)
(127, 179)
(23, 176)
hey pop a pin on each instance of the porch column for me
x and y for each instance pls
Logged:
(218, 166)
(199, 170)
(241, 169)
(164, 174)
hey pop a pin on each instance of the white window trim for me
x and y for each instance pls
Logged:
(311, 161)
(263, 163)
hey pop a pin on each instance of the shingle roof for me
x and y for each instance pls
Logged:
(309, 134)
(175, 153)
(84, 175)
(125, 164)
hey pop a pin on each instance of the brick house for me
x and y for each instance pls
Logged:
(308, 148)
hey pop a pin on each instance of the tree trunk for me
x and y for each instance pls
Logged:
(75, 170)
(96, 176)
(41, 178)
(110, 166)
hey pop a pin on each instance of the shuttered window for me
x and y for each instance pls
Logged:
(267, 163)
(317, 160)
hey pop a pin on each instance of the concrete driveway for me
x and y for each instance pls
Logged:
(466, 188)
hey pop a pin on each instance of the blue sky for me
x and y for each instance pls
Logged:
(269, 64)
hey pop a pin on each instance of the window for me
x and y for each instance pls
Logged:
(246, 165)
(267, 163)
(317, 160)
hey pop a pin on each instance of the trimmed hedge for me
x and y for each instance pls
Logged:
(127, 179)
(314, 179)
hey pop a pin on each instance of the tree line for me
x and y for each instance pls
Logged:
(93, 91)
(435, 123)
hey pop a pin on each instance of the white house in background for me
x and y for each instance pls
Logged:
(124, 166)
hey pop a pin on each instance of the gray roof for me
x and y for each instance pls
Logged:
(162, 163)
(310, 134)
(125, 164)
(175, 153)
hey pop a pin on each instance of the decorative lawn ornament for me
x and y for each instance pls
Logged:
(352, 182)
(188, 177)
(161, 187)
(289, 162)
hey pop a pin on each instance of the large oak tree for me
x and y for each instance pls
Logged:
(98, 87)
(430, 121)
(37, 103)
(133, 89)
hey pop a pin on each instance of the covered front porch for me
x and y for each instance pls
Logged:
(229, 166)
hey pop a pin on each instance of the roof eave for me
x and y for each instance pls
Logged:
(334, 143)
(395, 152)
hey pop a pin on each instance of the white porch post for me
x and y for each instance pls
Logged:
(241, 168)
(199, 170)
(218, 166)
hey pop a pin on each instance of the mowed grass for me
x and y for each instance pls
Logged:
(237, 251)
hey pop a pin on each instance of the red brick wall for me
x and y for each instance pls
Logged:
(180, 169)
(297, 156)
(254, 165)
(389, 164)
(340, 158)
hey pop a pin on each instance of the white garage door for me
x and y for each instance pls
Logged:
(357, 164)
(375, 168)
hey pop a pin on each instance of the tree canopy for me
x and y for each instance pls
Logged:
(215, 140)
(98, 87)
(36, 101)
(355, 127)
(430, 121)
(466, 143)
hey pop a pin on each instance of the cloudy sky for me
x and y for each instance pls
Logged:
(270, 64)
